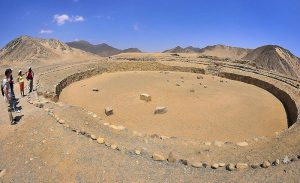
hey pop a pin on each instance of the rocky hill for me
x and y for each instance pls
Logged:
(100, 49)
(179, 49)
(275, 58)
(215, 50)
(26, 48)
(224, 51)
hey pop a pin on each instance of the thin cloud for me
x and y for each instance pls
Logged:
(78, 19)
(62, 19)
(46, 31)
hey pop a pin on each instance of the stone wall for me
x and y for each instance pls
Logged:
(289, 104)
(287, 101)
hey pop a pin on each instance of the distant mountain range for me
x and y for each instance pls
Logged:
(26, 48)
(271, 57)
(215, 50)
(100, 49)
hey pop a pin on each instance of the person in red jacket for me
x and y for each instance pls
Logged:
(29, 77)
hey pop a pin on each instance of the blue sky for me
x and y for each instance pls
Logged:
(155, 25)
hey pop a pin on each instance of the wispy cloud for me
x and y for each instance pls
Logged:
(46, 31)
(78, 19)
(136, 27)
(62, 19)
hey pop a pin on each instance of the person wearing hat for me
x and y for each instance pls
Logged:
(7, 92)
(29, 77)
(21, 82)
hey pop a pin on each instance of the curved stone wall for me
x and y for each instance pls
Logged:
(287, 101)
(289, 104)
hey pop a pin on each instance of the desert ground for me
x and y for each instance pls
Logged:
(201, 109)
(241, 129)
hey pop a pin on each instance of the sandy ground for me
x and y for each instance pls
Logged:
(227, 110)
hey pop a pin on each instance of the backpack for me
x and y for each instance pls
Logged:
(2, 87)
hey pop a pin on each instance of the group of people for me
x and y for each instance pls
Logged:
(7, 89)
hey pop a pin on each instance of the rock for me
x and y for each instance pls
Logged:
(114, 146)
(241, 166)
(222, 164)
(158, 157)
(221, 81)
(184, 161)
(294, 159)
(266, 164)
(154, 136)
(95, 115)
(3, 173)
(199, 77)
(137, 152)
(163, 137)
(242, 144)
(171, 158)
(230, 167)
(205, 86)
(255, 165)
(66, 125)
(215, 166)
(177, 84)
(109, 111)
(146, 97)
(100, 140)
(160, 110)
(95, 89)
(93, 137)
(196, 164)
(286, 160)
(107, 144)
(61, 121)
(192, 90)
(207, 143)
(276, 162)
(218, 143)
(204, 164)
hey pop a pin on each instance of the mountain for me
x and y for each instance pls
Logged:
(26, 48)
(179, 49)
(100, 49)
(275, 58)
(215, 50)
(224, 51)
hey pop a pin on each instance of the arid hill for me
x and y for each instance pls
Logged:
(224, 51)
(179, 49)
(27, 48)
(101, 49)
(216, 50)
(275, 58)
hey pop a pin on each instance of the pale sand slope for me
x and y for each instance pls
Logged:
(228, 110)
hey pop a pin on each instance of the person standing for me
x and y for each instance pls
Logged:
(13, 96)
(21, 82)
(6, 89)
(29, 77)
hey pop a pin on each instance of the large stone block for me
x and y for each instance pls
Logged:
(146, 97)
(109, 111)
(160, 110)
